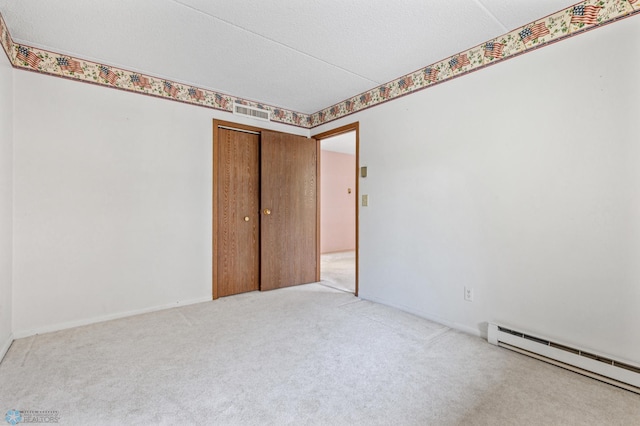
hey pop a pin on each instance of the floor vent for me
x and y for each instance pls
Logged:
(606, 369)
(251, 112)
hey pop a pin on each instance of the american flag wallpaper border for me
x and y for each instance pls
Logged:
(5, 40)
(543, 32)
(579, 18)
(51, 63)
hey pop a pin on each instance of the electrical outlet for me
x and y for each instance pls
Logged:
(468, 294)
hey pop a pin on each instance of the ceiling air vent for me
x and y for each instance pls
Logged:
(251, 112)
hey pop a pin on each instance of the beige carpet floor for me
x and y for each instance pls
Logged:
(304, 355)
(338, 270)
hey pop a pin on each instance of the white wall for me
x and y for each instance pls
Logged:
(6, 200)
(112, 202)
(520, 181)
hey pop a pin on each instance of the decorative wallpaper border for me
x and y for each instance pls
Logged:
(583, 16)
(5, 39)
(46, 62)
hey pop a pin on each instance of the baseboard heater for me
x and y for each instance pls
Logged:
(621, 374)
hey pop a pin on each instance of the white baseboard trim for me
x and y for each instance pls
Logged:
(427, 315)
(88, 321)
(5, 346)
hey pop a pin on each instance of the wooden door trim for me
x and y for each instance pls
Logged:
(214, 236)
(215, 157)
(318, 201)
(335, 132)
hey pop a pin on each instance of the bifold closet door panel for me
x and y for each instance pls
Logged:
(237, 233)
(288, 249)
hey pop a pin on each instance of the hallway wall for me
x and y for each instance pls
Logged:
(337, 206)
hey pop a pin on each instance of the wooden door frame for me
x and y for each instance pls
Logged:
(214, 240)
(335, 132)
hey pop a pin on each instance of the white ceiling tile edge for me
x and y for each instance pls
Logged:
(574, 20)
(69, 67)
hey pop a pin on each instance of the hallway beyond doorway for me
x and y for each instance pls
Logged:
(338, 270)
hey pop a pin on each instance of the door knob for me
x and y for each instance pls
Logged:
(246, 218)
(267, 212)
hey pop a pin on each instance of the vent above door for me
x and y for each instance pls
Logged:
(251, 112)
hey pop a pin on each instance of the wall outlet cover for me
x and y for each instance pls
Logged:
(468, 294)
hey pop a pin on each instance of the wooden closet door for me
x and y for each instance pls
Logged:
(289, 240)
(236, 262)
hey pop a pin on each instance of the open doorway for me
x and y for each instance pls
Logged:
(338, 208)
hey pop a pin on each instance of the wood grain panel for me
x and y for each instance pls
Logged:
(289, 190)
(236, 240)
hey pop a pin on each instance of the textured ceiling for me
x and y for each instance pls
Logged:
(299, 55)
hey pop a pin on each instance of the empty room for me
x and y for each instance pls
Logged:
(175, 190)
